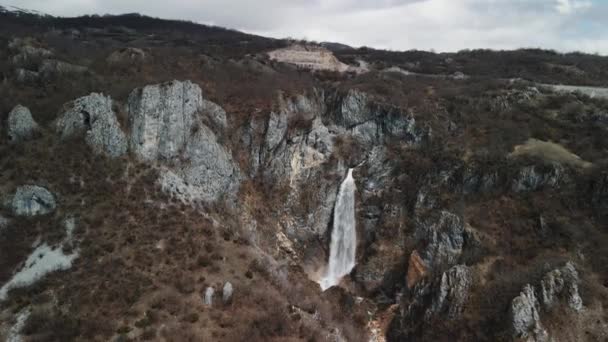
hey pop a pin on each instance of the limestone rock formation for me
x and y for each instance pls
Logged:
(215, 114)
(165, 126)
(32, 200)
(20, 125)
(525, 317)
(53, 67)
(162, 118)
(562, 283)
(126, 55)
(444, 237)
(453, 292)
(535, 177)
(26, 76)
(93, 117)
(26, 50)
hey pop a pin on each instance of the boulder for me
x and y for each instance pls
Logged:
(525, 317)
(208, 296)
(227, 291)
(20, 125)
(562, 283)
(93, 117)
(32, 200)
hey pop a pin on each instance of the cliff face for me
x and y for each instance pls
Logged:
(193, 199)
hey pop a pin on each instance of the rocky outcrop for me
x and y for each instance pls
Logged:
(369, 122)
(476, 180)
(208, 167)
(165, 126)
(126, 55)
(26, 76)
(557, 285)
(525, 317)
(53, 67)
(537, 177)
(92, 117)
(32, 200)
(443, 237)
(453, 292)
(561, 283)
(162, 118)
(20, 125)
(215, 114)
(27, 50)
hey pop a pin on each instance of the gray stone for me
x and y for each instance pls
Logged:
(53, 67)
(26, 76)
(166, 127)
(93, 117)
(444, 234)
(525, 317)
(215, 114)
(354, 109)
(535, 177)
(277, 128)
(162, 117)
(227, 292)
(20, 125)
(126, 55)
(562, 283)
(208, 297)
(453, 292)
(32, 200)
(28, 53)
(209, 166)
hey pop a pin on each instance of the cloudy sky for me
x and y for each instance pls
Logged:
(442, 25)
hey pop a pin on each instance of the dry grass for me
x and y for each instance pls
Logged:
(549, 152)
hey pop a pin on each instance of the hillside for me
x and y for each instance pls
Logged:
(165, 180)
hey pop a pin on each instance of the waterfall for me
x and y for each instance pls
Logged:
(343, 236)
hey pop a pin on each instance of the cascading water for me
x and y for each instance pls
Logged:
(344, 235)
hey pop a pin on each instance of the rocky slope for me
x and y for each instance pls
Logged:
(181, 184)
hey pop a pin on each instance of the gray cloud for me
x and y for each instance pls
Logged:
(443, 25)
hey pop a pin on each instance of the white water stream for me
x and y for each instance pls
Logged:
(343, 236)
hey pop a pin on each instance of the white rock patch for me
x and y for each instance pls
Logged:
(42, 261)
(14, 333)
